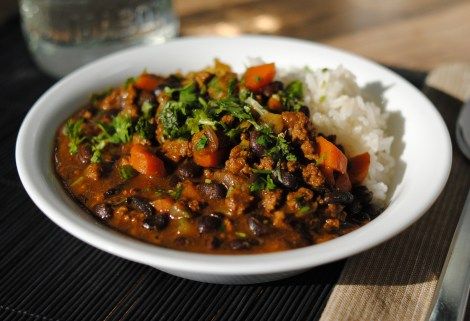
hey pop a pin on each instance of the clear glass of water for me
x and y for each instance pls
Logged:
(63, 35)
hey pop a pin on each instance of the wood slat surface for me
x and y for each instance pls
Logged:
(416, 34)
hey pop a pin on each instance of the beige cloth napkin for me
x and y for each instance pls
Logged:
(397, 280)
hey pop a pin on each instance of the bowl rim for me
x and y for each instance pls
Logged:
(221, 264)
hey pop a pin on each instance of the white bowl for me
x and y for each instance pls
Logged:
(425, 158)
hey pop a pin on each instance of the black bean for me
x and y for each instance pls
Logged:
(289, 180)
(300, 227)
(339, 197)
(272, 88)
(172, 81)
(362, 193)
(212, 191)
(354, 208)
(256, 147)
(305, 110)
(113, 190)
(259, 225)
(141, 204)
(209, 223)
(240, 244)
(215, 242)
(156, 222)
(188, 170)
(244, 244)
(103, 211)
(84, 153)
(360, 218)
(182, 241)
(146, 97)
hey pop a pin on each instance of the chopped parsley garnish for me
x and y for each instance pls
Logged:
(73, 131)
(292, 96)
(129, 81)
(147, 108)
(127, 172)
(118, 132)
(176, 193)
(144, 128)
(263, 181)
(202, 142)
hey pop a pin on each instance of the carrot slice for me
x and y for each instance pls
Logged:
(147, 82)
(332, 156)
(163, 205)
(274, 103)
(145, 162)
(359, 167)
(257, 77)
(207, 154)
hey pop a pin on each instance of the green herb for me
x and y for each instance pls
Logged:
(172, 118)
(215, 87)
(201, 143)
(127, 172)
(232, 85)
(270, 183)
(295, 89)
(241, 235)
(188, 94)
(147, 108)
(160, 192)
(200, 118)
(118, 132)
(322, 99)
(73, 130)
(130, 81)
(292, 96)
(233, 107)
(176, 193)
(175, 113)
(263, 181)
(304, 209)
(144, 128)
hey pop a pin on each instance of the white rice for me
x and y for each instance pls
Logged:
(338, 107)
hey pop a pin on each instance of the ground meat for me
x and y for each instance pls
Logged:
(308, 150)
(227, 119)
(331, 224)
(122, 99)
(238, 161)
(271, 199)
(266, 163)
(295, 199)
(312, 175)
(93, 171)
(301, 131)
(298, 126)
(292, 166)
(334, 210)
(278, 219)
(194, 205)
(238, 200)
(176, 149)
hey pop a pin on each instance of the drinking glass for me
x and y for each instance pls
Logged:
(65, 34)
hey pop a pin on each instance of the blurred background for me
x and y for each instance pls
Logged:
(411, 34)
